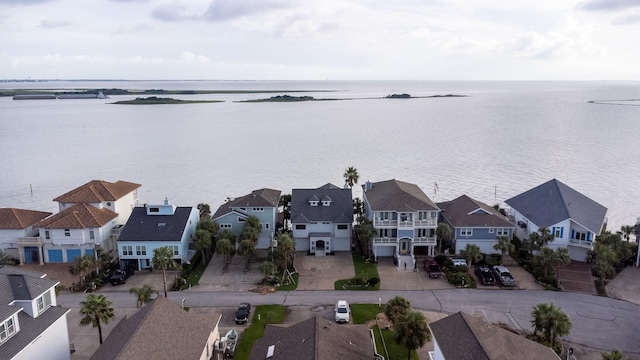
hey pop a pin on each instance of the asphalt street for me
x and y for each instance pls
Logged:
(598, 322)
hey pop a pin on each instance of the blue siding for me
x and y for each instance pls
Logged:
(405, 233)
(88, 252)
(55, 255)
(72, 254)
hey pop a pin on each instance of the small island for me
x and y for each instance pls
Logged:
(154, 100)
(407, 96)
(399, 96)
(286, 98)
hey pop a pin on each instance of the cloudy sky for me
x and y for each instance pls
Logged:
(317, 40)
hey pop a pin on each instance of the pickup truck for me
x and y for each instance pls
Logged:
(432, 268)
(504, 275)
(485, 275)
(118, 277)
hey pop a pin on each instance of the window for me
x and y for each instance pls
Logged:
(326, 203)
(422, 215)
(141, 250)
(580, 235)
(176, 250)
(383, 215)
(466, 231)
(46, 235)
(343, 227)
(301, 227)
(258, 209)
(491, 231)
(434, 214)
(7, 329)
(225, 226)
(154, 210)
(558, 232)
(67, 232)
(44, 302)
(127, 250)
(241, 219)
(502, 232)
(92, 236)
(313, 203)
(264, 226)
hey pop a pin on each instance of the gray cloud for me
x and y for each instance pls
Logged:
(23, 2)
(608, 5)
(630, 19)
(220, 10)
(172, 12)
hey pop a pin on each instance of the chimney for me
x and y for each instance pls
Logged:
(367, 186)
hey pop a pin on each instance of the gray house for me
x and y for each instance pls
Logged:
(474, 222)
(573, 219)
(321, 219)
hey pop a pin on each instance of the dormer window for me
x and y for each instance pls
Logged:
(44, 302)
(154, 210)
(7, 329)
(67, 232)
(326, 203)
(313, 203)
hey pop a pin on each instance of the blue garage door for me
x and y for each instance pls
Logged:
(88, 252)
(55, 255)
(73, 254)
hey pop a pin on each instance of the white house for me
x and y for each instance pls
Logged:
(321, 219)
(19, 237)
(573, 219)
(32, 326)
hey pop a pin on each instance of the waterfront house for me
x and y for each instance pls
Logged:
(405, 219)
(322, 219)
(474, 222)
(161, 330)
(154, 226)
(462, 336)
(262, 203)
(32, 326)
(19, 237)
(573, 219)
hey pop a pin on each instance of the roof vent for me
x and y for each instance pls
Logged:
(162, 224)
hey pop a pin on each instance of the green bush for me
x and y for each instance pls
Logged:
(462, 279)
(443, 261)
(493, 259)
(358, 280)
(373, 281)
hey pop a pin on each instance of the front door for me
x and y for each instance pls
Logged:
(320, 248)
(403, 247)
(31, 255)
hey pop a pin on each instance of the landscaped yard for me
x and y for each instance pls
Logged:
(269, 314)
(366, 278)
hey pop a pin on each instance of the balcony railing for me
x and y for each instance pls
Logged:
(385, 240)
(405, 224)
(34, 240)
(425, 241)
(378, 222)
(583, 243)
(426, 222)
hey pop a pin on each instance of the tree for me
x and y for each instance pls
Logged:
(396, 307)
(202, 242)
(163, 260)
(5, 259)
(251, 229)
(358, 207)
(205, 210)
(412, 330)
(351, 176)
(247, 248)
(82, 264)
(543, 239)
(605, 260)
(96, 310)
(212, 227)
(550, 321)
(472, 254)
(366, 232)
(143, 295)
(504, 245)
(613, 355)
(627, 230)
(546, 259)
(286, 250)
(224, 247)
(267, 268)
(443, 232)
(285, 202)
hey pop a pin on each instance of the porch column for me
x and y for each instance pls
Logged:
(40, 254)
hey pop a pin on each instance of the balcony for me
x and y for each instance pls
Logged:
(426, 222)
(430, 241)
(378, 222)
(30, 241)
(405, 224)
(581, 243)
(385, 240)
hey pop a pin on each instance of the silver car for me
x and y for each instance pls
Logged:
(503, 275)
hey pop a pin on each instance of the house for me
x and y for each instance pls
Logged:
(262, 203)
(161, 330)
(461, 336)
(321, 219)
(18, 235)
(314, 339)
(32, 325)
(474, 222)
(405, 219)
(573, 219)
(154, 226)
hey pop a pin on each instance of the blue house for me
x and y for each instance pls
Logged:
(474, 222)
(262, 203)
(154, 226)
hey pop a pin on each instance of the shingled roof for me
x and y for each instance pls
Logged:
(11, 218)
(97, 191)
(79, 216)
(467, 212)
(396, 195)
(340, 209)
(464, 337)
(144, 227)
(258, 198)
(22, 285)
(553, 202)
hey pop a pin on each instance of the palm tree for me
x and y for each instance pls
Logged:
(614, 355)
(202, 242)
(6, 259)
(247, 248)
(551, 321)
(96, 310)
(545, 259)
(443, 232)
(358, 207)
(286, 250)
(284, 202)
(251, 229)
(472, 254)
(211, 226)
(224, 247)
(366, 232)
(82, 264)
(627, 230)
(504, 245)
(605, 259)
(143, 295)
(351, 176)
(163, 260)
(396, 307)
(412, 330)
(267, 268)
(205, 210)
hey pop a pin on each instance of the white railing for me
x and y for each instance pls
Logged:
(385, 240)
(405, 224)
(584, 243)
(428, 222)
(425, 241)
(378, 222)
(34, 240)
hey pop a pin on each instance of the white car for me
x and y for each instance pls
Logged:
(343, 311)
(459, 262)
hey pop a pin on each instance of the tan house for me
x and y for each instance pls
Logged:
(19, 235)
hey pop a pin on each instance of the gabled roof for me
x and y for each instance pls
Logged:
(11, 218)
(160, 330)
(467, 212)
(257, 198)
(553, 202)
(97, 191)
(340, 209)
(396, 195)
(16, 284)
(143, 227)
(314, 339)
(464, 337)
(79, 216)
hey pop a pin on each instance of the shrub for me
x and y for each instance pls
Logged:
(373, 281)
(358, 280)
(460, 279)
(494, 259)
(443, 261)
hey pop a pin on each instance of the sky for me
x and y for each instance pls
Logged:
(320, 40)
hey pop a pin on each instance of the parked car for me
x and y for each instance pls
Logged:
(459, 262)
(504, 276)
(242, 314)
(485, 275)
(432, 268)
(343, 311)
(118, 277)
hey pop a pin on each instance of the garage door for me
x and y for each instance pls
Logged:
(55, 255)
(88, 252)
(72, 254)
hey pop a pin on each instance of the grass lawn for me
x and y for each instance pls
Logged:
(290, 287)
(396, 351)
(364, 312)
(364, 270)
(269, 314)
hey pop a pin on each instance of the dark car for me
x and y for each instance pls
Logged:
(118, 277)
(242, 314)
(432, 268)
(485, 275)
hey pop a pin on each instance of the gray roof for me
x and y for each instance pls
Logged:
(257, 198)
(396, 195)
(22, 286)
(464, 337)
(160, 330)
(467, 212)
(143, 227)
(553, 202)
(340, 209)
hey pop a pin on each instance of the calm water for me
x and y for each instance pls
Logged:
(504, 138)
